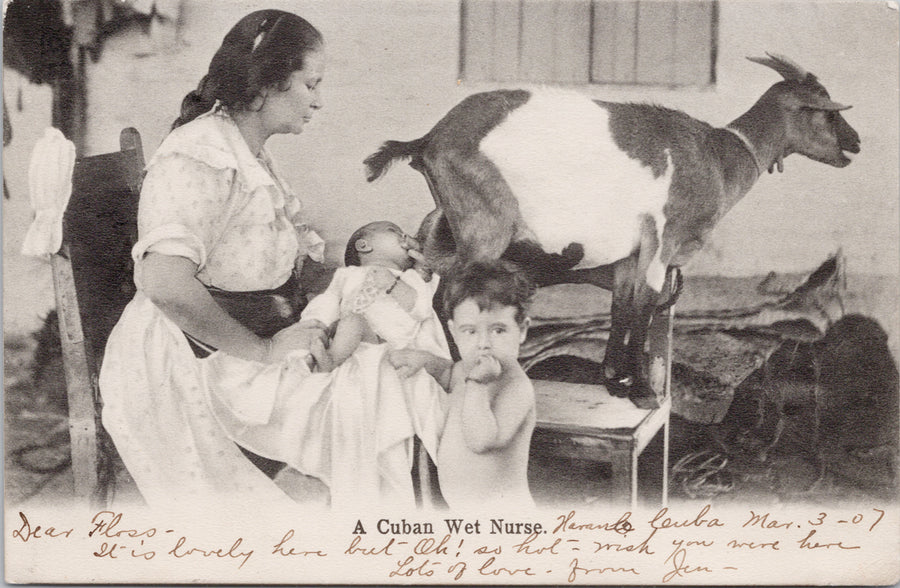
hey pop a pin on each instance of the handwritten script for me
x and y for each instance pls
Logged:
(689, 544)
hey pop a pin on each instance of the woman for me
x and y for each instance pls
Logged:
(209, 359)
(214, 217)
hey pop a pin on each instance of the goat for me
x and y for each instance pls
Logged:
(612, 194)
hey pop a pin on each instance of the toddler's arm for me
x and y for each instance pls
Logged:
(496, 402)
(408, 361)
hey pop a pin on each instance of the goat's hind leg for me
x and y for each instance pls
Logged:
(644, 282)
(480, 209)
(616, 368)
(642, 393)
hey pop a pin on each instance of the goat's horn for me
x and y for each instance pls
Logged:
(787, 68)
(830, 105)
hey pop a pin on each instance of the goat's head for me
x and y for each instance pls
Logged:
(814, 124)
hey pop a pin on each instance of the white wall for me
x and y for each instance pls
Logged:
(392, 73)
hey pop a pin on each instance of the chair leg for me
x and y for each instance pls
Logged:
(665, 465)
(624, 475)
(82, 415)
(424, 476)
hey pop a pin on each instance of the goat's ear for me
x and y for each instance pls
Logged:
(788, 69)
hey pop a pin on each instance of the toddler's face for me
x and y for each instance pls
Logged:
(390, 243)
(493, 331)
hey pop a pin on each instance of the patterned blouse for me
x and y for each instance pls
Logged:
(206, 197)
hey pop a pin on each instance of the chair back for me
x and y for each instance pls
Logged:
(99, 230)
(92, 276)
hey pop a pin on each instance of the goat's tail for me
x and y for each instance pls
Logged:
(379, 162)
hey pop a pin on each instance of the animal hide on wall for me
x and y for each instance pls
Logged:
(725, 329)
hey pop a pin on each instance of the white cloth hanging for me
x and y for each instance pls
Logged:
(49, 188)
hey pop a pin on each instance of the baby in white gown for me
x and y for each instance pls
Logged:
(383, 294)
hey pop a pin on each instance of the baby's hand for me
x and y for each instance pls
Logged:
(485, 369)
(323, 362)
(382, 277)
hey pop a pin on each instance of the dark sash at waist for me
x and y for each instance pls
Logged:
(265, 312)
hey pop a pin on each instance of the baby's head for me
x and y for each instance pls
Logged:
(379, 243)
(488, 305)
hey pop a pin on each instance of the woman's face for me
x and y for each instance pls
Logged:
(289, 110)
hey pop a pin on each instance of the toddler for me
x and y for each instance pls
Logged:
(483, 453)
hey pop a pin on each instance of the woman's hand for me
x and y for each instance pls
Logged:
(301, 335)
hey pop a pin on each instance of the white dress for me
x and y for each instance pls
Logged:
(175, 418)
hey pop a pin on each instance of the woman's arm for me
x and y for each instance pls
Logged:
(171, 284)
(169, 281)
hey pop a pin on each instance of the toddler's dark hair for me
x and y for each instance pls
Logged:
(490, 284)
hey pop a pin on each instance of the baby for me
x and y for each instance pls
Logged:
(482, 458)
(383, 294)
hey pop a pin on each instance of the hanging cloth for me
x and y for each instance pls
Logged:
(49, 187)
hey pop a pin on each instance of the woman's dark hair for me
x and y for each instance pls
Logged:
(262, 50)
(490, 284)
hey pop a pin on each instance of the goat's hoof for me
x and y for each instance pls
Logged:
(617, 385)
(642, 396)
(617, 390)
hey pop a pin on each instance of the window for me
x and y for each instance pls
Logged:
(652, 42)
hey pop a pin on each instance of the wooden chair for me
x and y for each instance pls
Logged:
(92, 277)
(581, 421)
